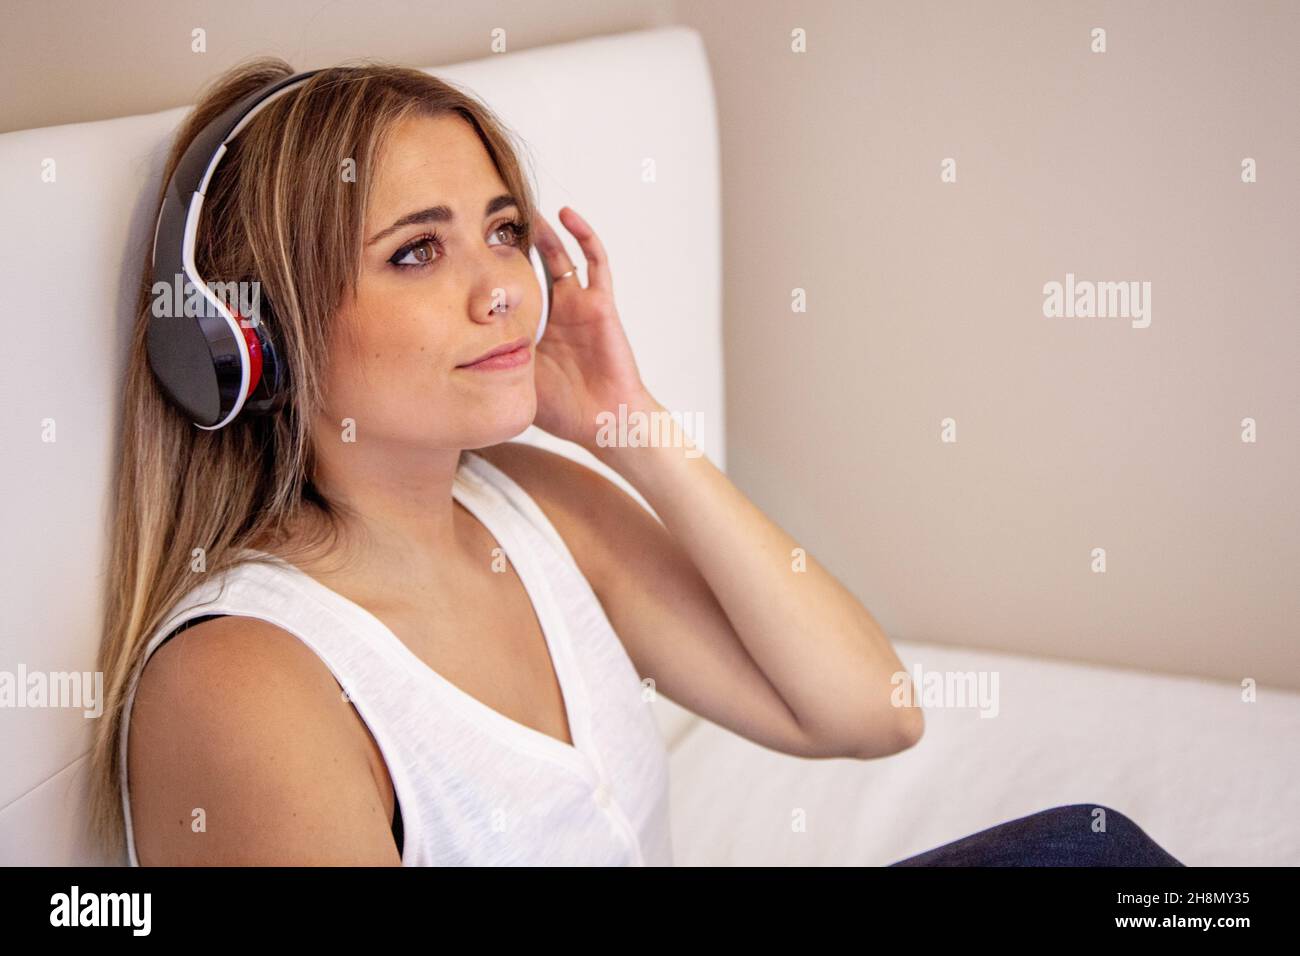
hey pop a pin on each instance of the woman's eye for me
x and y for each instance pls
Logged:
(515, 231)
(415, 254)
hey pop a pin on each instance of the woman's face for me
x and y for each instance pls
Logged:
(443, 280)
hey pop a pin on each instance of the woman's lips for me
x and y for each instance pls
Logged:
(512, 359)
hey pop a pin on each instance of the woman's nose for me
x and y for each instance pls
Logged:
(499, 288)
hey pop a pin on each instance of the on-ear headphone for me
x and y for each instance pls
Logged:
(215, 364)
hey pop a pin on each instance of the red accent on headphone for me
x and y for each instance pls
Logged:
(254, 355)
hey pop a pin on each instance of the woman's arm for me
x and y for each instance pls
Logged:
(823, 654)
(787, 659)
(712, 603)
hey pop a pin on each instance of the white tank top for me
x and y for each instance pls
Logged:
(474, 786)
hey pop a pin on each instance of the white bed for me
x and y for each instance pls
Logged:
(1212, 779)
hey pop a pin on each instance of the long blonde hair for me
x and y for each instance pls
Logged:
(278, 211)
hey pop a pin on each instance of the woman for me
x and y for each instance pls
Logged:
(367, 644)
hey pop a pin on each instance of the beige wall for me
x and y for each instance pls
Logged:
(925, 302)
(67, 61)
(924, 298)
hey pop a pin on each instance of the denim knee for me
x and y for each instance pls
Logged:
(1126, 843)
(1072, 816)
(1110, 817)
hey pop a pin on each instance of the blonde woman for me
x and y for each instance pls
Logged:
(368, 629)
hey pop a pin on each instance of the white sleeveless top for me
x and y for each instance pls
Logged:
(476, 787)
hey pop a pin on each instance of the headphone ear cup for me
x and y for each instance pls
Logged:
(546, 284)
(272, 388)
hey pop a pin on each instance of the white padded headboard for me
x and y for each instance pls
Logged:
(595, 115)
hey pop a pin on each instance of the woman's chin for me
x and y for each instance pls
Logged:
(508, 423)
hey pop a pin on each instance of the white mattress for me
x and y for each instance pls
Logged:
(1212, 779)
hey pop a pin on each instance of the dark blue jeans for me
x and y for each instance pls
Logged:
(1061, 836)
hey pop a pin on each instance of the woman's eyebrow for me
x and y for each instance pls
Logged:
(440, 213)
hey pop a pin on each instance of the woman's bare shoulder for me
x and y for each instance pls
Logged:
(244, 751)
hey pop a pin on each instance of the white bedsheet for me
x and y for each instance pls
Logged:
(1212, 779)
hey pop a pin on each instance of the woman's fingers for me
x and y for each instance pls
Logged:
(598, 276)
(554, 256)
